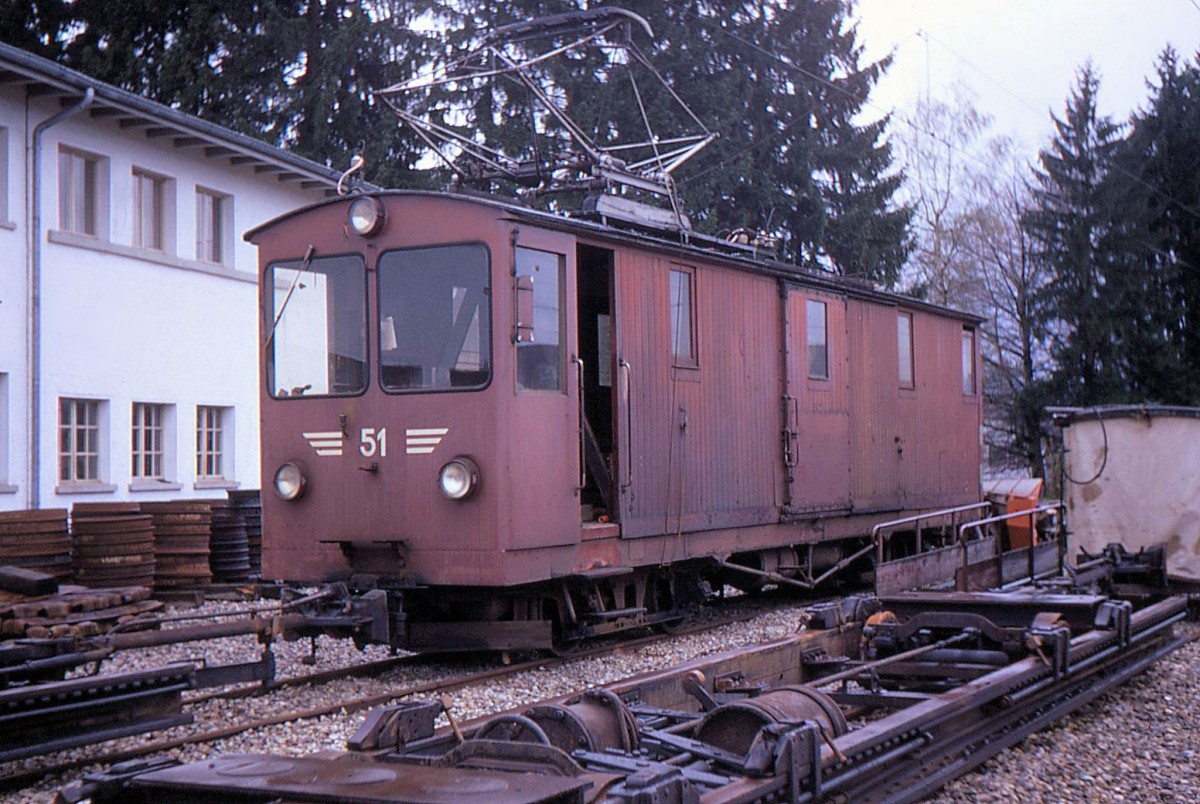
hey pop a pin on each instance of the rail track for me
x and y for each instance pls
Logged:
(190, 711)
(879, 699)
(955, 642)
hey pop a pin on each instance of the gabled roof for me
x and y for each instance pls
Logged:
(43, 77)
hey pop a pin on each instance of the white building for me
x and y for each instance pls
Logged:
(128, 303)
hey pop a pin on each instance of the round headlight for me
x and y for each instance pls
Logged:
(290, 482)
(458, 478)
(366, 215)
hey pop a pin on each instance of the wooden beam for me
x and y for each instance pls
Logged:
(135, 122)
(268, 169)
(159, 131)
(218, 150)
(187, 142)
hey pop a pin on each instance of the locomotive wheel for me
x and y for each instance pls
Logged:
(567, 649)
(674, 625)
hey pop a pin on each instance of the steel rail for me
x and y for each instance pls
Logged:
(21, 778)
(959, 749)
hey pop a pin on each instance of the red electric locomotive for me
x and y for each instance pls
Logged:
(530, 428)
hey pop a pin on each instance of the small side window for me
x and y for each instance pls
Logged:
(683, 318)
(968, 362)
(540, 357)
(817, 332)
(904, 349)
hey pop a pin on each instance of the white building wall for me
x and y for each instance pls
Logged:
(122, 324)
(13, 308)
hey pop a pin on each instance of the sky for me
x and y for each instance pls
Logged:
(1018, 58)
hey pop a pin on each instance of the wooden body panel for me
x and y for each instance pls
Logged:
(705, 439)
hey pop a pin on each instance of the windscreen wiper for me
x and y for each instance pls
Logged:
(304, 265)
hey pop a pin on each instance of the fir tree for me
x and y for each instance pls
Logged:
(1161, 287)
(1070, 225)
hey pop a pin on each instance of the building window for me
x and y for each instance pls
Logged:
(817, 329)
(148, 441)
(904, 349)
(80, 181)
(968, 361)
(78, 440)
(3, 175)
(149, 210)
(540, 356)
(211, 211)
(5, 432)
(212, 426)
(683, 317)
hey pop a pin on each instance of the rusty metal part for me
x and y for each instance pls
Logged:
(36, 540)
(785, 744)
(182, 531)
(595, 721)
(734, 726)
(376, 735)
(51, 717)
(112, 544)
(242, 777)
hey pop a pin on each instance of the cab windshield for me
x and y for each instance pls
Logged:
(435, 319)
(317, 342)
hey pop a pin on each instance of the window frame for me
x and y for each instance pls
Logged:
(162, 210)
(5, 435)
(214, 209)
(691, 358)
(905, 348)
(268, 297)
(4, 181)
(148, 435)
(489, 297)
(94, 189)
(826, 374)
(94, 448)
(524, 348)
(222, 453)
(970, 382)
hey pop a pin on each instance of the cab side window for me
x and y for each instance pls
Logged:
(540, 356)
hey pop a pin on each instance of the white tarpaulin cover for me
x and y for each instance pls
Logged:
(1147, 491)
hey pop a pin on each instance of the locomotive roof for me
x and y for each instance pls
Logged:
(788, 272)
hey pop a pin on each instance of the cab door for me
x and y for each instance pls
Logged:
(544, 435)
